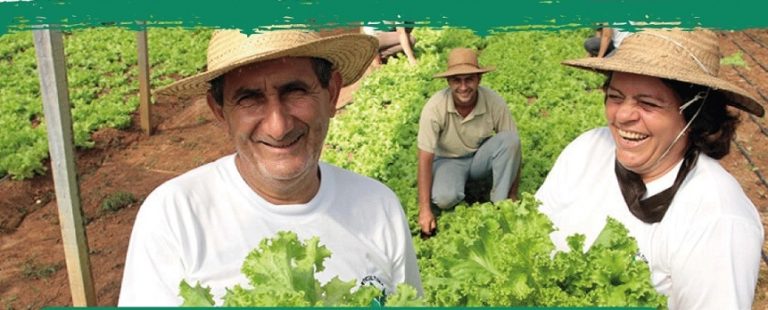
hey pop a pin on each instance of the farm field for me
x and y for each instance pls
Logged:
(374, 135)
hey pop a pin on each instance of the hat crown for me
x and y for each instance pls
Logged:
(692, 52)
(463, 60)
(349, 54)
(228, 45)
(462, 56)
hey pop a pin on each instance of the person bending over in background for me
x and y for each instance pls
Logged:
(654, 168)
(397, 40)
(605, 41)
(466, 132)
(276, 93)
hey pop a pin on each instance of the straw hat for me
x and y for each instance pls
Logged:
(687, 56)
(463, 61)
(350, 54)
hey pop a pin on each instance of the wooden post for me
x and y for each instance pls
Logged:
(145, 108)
(51, 66)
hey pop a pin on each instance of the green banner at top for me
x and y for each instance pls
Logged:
(483, 16)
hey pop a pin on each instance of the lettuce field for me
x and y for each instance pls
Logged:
(101, 71)
(484, 255)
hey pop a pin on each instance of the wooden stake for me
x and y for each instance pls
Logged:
(51, 66)
(145, 107)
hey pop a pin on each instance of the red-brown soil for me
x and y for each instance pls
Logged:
(32, 268)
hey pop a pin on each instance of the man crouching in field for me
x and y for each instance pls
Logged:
(276, 93)
(466, 132)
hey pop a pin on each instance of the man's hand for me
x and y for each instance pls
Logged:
(428, 222)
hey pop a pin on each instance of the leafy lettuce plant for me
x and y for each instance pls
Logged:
(501, 255)
(281, 272)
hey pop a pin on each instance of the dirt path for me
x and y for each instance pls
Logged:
(748, 160)
(122, 161)
(32, 271)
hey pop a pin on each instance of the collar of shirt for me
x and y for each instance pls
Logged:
(479, 109)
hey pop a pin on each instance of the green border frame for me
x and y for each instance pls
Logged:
(483, 16)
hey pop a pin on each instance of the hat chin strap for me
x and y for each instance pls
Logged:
(701, 95)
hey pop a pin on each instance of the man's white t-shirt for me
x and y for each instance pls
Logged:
(201, 225)
(704, 254)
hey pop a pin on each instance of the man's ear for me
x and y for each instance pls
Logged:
(216, 108)
(334, 90)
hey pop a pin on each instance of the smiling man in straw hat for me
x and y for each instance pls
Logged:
(466, 132)
(654, 168)
(275, 92)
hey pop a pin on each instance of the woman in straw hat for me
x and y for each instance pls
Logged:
(654, 168)
(275, 93)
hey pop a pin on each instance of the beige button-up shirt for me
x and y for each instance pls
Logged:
(443, 132)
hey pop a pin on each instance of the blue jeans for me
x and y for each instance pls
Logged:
(592, 45)
(498, 157)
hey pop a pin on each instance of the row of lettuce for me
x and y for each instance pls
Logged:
(490, 255)
(101, 73)
(485, 254)
(551, 104)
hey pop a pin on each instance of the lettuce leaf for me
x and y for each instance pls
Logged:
(197, 296)
(501, 255)
(281, 272)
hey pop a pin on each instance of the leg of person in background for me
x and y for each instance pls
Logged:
(592, 46)
(449, 175)
(373, 32)
(389, 44)
(501, 154)
(406, 42)
(392, 43)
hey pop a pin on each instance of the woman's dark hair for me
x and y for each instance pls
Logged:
(713, 129)
(323, 69)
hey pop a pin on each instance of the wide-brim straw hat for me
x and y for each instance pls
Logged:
(463, 61)
(687, 56)
(350, 54)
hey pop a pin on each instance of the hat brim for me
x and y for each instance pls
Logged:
(350, 54)
(740, 98)
(459, 70)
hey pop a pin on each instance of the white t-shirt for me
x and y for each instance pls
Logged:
(704, 254)
(201, 225)
(618, 36)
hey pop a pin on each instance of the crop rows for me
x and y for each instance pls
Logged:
(101, 71)
(551, 103)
